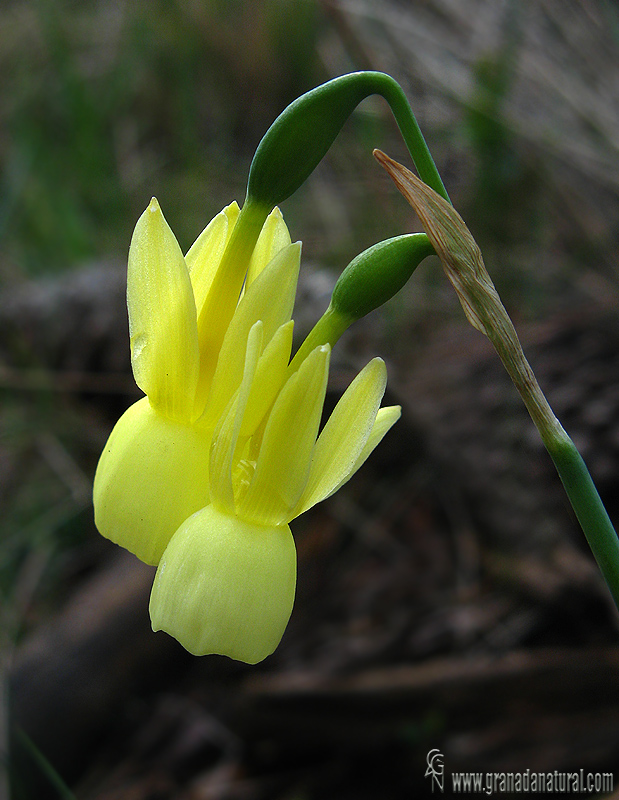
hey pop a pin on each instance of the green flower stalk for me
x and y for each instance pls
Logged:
(464, 267)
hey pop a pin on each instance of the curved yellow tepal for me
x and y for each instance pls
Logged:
(225, 586)
(270, 376)
(226, 433)
(345, 434)
(232, 211)
(162, 317)
(385, 420)
(286, 449)
(271, 299)
(152, 475)
(274, 236)
(204, 256)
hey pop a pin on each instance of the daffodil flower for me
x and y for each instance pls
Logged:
(203, 475)
(226, 581)
(153, 473)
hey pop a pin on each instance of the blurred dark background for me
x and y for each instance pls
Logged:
(446, 596)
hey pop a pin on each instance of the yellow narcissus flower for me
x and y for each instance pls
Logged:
(203, 475)
(153, 473)
(226, 581)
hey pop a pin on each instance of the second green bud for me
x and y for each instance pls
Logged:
(378, 273)
(372, 278)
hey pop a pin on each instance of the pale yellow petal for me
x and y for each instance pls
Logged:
(226, 289)
(285, 454)
(152, 475)
(274, 236)
(344, 435)
(269, 379)
(232, 211)
(385, 420)
(269, 298)
(226, 434)
(204, 256)
(225, 586)
(162, 317)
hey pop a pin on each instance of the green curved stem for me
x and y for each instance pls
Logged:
(327, 330)
(589, 509)
(393, 93)
(299, 138)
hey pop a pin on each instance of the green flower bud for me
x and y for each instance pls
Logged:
(372, 278)
(301, 135)
(378, 273)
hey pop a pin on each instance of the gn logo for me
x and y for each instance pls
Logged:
(436, 769)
